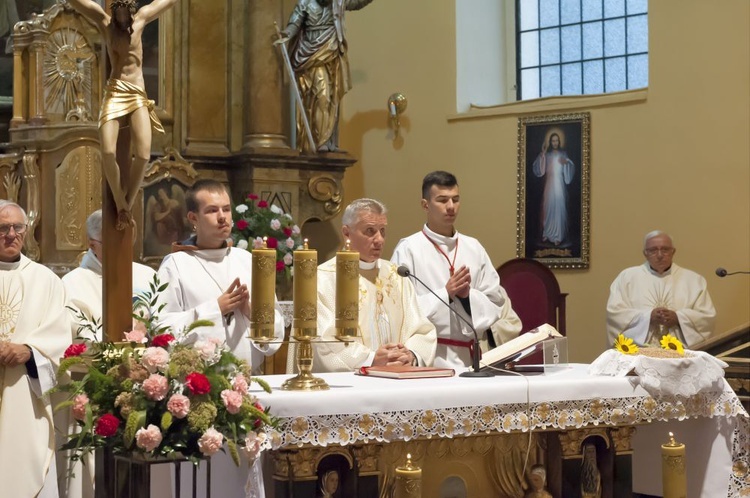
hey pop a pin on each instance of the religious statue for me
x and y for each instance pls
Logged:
(126, 110)
(329, 484)
(317, 53)
(553, 164)
(537, 482)
(591, 479)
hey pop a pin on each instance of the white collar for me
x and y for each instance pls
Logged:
(441, 239)
(364, 265)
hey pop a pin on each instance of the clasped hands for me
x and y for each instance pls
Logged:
(235, 297)
(12, 355)
(391, 355)
(664, 316)
(459, 284)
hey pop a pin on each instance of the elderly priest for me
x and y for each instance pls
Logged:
(34, 333)
(392, 330)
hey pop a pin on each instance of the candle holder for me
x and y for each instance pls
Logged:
(408, 482)
(263, 288)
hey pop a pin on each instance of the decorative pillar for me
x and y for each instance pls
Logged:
(36, 101)
(19, 86)
(264, 127)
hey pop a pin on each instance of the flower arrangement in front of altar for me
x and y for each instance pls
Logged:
(157, 397)
(255, 221)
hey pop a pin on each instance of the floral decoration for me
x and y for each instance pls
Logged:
(625, 345)
(158, 397)
(256, 221)
(671, 343)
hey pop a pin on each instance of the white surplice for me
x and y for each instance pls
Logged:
(638, 290)
(196, 279)
(83, 287)
(388, 313)
(490, 306)
(33, 302)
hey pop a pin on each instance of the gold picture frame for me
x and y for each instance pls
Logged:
(553, 217)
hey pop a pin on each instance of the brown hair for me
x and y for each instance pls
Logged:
(212, 186)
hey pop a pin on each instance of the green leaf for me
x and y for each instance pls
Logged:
(233, 452)
(166, 421)
(199, 323)
(262, 383)
(136, 420)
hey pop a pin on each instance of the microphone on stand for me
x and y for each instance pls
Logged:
(403, 271)
(721, 272)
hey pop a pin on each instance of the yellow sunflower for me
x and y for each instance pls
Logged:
(625, 345)
(670, 342)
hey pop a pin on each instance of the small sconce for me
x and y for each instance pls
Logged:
(396, 106)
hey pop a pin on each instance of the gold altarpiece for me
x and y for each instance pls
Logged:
(220, 93)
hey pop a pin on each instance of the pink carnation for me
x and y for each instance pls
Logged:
(136, 335)
(156, 387)
(79, 406)
(155, 359)
(239, 383)
(288, 259)
(232, 400)
(207, 349)
(179, 405)
(275, 224)
(210, 442)
(148, 439)
(289, 243)
(253, 444)
(258, 243)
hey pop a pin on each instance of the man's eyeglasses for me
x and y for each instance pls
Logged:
(652, 251)
(19, 228)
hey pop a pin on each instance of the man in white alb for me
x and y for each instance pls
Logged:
(34, 333)
(458, 269)
(207, 280)
(658, 298)
(393, 329)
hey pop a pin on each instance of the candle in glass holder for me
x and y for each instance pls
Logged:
(262, 296)
(347, 293)
(673, 475)
(408, 481)
(305, 323)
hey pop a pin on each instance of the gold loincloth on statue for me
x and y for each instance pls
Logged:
(122, 98)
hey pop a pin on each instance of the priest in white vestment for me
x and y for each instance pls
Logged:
(393, 329)
(457, 268)
(83, 287)
(658, 298)
(34, 333)
(208, 279)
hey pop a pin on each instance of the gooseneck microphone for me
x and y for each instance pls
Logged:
(723, 273)
(403, 271)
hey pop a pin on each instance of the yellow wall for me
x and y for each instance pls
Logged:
(678, 161)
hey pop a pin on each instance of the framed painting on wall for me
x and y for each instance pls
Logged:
(553, 189)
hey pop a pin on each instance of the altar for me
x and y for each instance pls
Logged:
(479, 436)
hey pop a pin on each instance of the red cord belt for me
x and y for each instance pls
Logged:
(459, 344)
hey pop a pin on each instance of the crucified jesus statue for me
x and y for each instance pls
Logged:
(126, 115)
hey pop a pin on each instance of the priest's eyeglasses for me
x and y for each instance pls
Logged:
(652, 251)
(18, 228)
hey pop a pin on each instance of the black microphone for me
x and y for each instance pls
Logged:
(403, 271)
(723, 273)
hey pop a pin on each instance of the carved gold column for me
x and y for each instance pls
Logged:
(264, 128)
(36, 101)
(19, 85)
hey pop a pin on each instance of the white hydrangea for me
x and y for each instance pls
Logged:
(242, 244)
(276, 209)
(287, 216)
(241, 208)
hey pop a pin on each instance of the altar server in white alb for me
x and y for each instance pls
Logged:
(658, 297)
(393, 329)
(457, 268)
(209, 279)
(34, 333)
(83, 287)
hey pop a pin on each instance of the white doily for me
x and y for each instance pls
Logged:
(665, 376)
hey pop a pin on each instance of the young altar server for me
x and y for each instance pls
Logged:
(457, 268)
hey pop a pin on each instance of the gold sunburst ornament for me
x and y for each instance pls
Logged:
(625, 345)
(671, 343)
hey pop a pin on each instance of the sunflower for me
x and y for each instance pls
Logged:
(670, 342)
(625, 345)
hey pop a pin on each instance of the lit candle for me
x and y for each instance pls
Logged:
(262, 296)
(408, 481)
(673, 475)
(305, 323)
(347, 293)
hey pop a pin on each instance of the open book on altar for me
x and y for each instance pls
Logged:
(406, 372)
(518, 348)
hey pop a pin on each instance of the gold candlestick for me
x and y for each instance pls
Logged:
(347, 293)
(408, 481)
(262, 297)
(673, 475)
(305, 322)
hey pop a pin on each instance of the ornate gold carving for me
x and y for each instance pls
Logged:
(571, 441)
(263, 314)
(350, 312)
(621, 438)
(171, 165)
(68, 62)
(306, 267)
(308, 311)
(11, 180)
(326, 189)
(33, 205)
(77, 193)
(367, 458)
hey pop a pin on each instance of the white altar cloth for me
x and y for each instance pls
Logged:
(360, 409)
